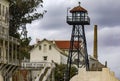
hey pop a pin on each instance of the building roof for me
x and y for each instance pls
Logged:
(53, 43)
(65, 44)
(62, 44)
(78, 9)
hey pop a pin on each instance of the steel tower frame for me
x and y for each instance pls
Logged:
(78, 47)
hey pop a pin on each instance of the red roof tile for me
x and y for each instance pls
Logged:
(78, 9)
(64, 44)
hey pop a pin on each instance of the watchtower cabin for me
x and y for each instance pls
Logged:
(79, 16)
(8, 45)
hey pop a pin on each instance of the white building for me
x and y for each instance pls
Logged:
(48, 51)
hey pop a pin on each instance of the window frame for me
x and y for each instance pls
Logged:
(45, 58)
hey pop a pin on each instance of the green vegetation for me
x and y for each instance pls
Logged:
(22, 12)
(60, 72)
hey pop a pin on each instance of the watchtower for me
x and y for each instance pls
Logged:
(78, 47)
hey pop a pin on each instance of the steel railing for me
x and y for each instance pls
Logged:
(78, 19)
(33, 64)
(9, 38)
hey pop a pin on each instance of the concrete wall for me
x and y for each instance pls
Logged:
(104, 75)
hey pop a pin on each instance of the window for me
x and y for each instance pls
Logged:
(40, 47)
(45, 48)
(7, 53)
(3, 12)
(78, 13)
(0, 53)
(6, 15)
(2, 30)
(44, 58)
(0, 9)
(50, 47)
(82, 14)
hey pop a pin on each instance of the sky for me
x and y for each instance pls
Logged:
(104, 13)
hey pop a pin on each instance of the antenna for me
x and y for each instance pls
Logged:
(79, 3)
(68, 10)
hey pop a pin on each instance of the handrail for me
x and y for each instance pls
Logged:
(43, 70)
(77, 18)
(49, 72)
(3, 36)
(12, 39)
(33, 64)
(46, 71)
(9, 38)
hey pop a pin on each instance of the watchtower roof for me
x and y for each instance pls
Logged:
(78, 9)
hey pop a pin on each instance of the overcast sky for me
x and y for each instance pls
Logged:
(104, 13)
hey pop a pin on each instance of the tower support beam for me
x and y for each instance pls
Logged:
(78, 47)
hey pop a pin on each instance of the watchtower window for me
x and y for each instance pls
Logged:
(78, 14)
(74, 14)
(82, 14)
(86, 14)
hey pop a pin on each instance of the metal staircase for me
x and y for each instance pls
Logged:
(46, 72)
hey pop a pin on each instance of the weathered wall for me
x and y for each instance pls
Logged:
(104, 75)
(1, 78)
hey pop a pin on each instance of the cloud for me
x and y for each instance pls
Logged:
(109, 36)
(104, 13)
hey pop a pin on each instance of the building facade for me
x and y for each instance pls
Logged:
(9, 46)
(48, 51)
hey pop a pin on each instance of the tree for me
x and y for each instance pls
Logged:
(60, 72)
(23, 12)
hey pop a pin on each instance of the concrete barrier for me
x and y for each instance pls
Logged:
(104, 75)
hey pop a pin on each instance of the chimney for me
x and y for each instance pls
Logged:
(105, 63)
(95, 55)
